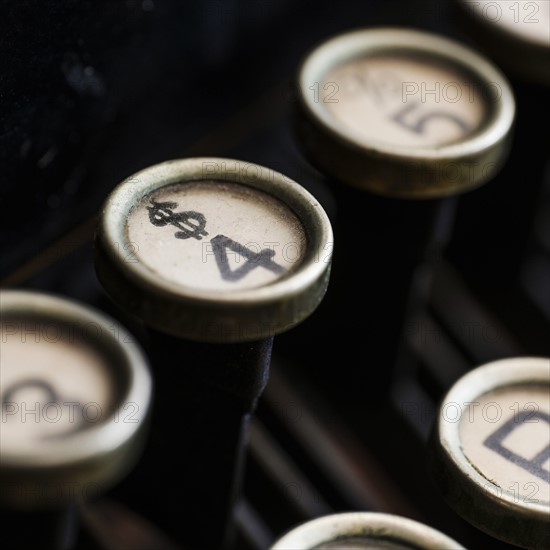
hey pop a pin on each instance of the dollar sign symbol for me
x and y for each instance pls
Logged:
(190, 223)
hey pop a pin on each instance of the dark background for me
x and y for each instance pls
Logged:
(94, 91)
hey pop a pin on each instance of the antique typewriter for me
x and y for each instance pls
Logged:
(275, 274)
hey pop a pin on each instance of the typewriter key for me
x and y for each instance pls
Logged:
(402, 121)
(215, 256)
(491, 450)
(358, 530)
(74, 396)
(516, 34)
(404, 113)
(214, 250)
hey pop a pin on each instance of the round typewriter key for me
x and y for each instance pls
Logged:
(516, 34)
(214, 250)
(402, 122)
(491, 450)
(404, 113)
(358, 530)
(74, 395)
(219, 255)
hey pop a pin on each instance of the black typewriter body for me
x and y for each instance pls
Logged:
(94, 91)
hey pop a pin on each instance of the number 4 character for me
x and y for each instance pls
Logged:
(220, 245)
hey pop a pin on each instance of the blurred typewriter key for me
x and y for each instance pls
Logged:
(74, 395)
(491, 450)
(358, 530)
(224, 254)
(516, 35)
(403, 121)
(404, 113)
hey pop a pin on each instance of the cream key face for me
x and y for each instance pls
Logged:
(404, 101)
(527, 20)
(505, 434)
(213, 235)
(52, 386)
